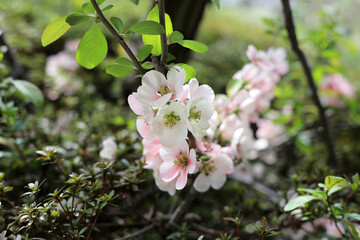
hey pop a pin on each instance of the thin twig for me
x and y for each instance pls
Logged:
(290, 27)
(138, 233)
(93, 224)
(181, 209)
(164, 47)
(118, 37)
(273, 195)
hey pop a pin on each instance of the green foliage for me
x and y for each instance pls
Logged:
(92, 48)
(121, 68)
(117, 23)
(155, 40)
(217, 3)
(190, 71)
(176, 37)
(148, 28)
(54, 31)
(29, 91)
(145, 52)
(77, 18)
(234, 86)
(194, 45)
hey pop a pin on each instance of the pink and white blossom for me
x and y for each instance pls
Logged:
(178, 163)
(213, 173)
(199, 111)
(170, 124)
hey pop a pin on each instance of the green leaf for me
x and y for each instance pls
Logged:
(355, 233)
(77, 18)
(148, 28)
(233, 87)
(108, 7)
(135, 1)
(99, 2)
(92, 48)
(117, 23)
(170, 57)
(121, 68)
(147, 65)
(355, 216)
(88, 7)
(201, 237)
(356, 181)
(153, 39)
(145, 52)
(297, 202)
(217, 3)
(54, 31)
(30, 91)
(194, 45)
(176, 37)
(190, 71)
(333, 181)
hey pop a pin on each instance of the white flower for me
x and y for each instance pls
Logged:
(178, 162)
(196, 91)
(169, 124)
(109, 149)
(157, 91)
(213, 173)
(199, 111)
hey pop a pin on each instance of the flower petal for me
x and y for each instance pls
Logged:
(217, 179)
(168, 171)
(201, 183)
(181, 181)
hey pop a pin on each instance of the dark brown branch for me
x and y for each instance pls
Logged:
(138, 233)
(118, 37)
(290, 27)
(182, 208)
(164, 47)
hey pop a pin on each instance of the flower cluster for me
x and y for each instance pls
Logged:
(169, 112)
(333, 88)
(256, 90)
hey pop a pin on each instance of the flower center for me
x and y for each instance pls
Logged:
(207, 167)
(171, 119)
(162, 90)
(182, 161)
(196, 115)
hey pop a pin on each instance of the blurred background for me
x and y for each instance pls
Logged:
(83, 106)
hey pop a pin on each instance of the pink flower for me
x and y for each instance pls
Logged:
(208, 148)
(178, 162)
(335, 86)
(268, 130)
(213, 173)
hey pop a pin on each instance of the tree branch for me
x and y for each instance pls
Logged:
(181, 209)
(290, 27)
(138, 233)
(164, 47)
(118, 37)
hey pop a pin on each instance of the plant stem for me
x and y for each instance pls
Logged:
(164, 47)
(290, 27)
(138, 233)
(118, 37)
(181, 209)
(93, 224)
